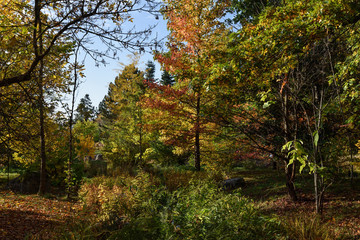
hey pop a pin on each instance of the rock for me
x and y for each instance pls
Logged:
(233, 183)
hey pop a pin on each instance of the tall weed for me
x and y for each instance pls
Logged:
(303, 227)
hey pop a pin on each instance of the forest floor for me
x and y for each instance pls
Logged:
(34, 217)
(341, 212)
(24, 216)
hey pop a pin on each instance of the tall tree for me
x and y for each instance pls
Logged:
(195, 28)
(48, 81)
(167, 78)
(126, 140)
(283, 63)
(150, 71)
(85, 111)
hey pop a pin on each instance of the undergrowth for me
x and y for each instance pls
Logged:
(142, 207)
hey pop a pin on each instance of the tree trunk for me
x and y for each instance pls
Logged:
(290, 177)
(38, 51)
(8, 165)
(42, 187)
(289, 170)
(197, 134)
(316, 190)
(71, 122)
(43, 180)
(140, 135)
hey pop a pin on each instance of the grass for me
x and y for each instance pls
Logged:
(261, 184)
(266, 187)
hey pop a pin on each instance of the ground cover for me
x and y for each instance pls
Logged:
(341, 216)
(24, 216)
(35, 217)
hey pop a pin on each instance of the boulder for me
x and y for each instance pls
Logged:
(233, 183)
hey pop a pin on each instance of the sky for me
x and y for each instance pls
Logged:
(98, 78)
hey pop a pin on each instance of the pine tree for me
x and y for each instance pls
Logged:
(167, 79)
(150, 71)
(85, 110)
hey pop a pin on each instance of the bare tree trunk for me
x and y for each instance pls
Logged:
(318, 181)
(71, 122)
(316, 189)
(8, 165)
(290, 177)
(38, 51)
(43, 180)
(197, 134)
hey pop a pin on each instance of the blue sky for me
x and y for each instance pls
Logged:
(98, 78)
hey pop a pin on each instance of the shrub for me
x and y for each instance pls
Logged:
(201, 211)
(114, 199)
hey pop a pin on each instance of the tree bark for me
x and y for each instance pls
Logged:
(43, 180)
(38, 51)
(71, 122)
(290, 177)
(197, 134)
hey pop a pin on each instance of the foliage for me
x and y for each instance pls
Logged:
(116, 199)
(296, 152)
(306, 227)
(196, 211)
(86, 135)
(126, 141)
(103, 19)
(85, 111)
(167, 78)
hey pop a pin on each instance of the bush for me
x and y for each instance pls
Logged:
(200, 211)
(115, 199)
(181, 176)
(141, 208)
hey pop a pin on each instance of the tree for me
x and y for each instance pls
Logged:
(85, 111)
(167, 78)
(126, 141)
(103, 109)
(195, 28)
(150, 71)
(285, 65)
(66, 20)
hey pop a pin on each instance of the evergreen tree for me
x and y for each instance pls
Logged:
(167, 79)
(85, 110)
(150, 71)
(103, 109)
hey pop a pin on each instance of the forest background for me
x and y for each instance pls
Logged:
(246, 86)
